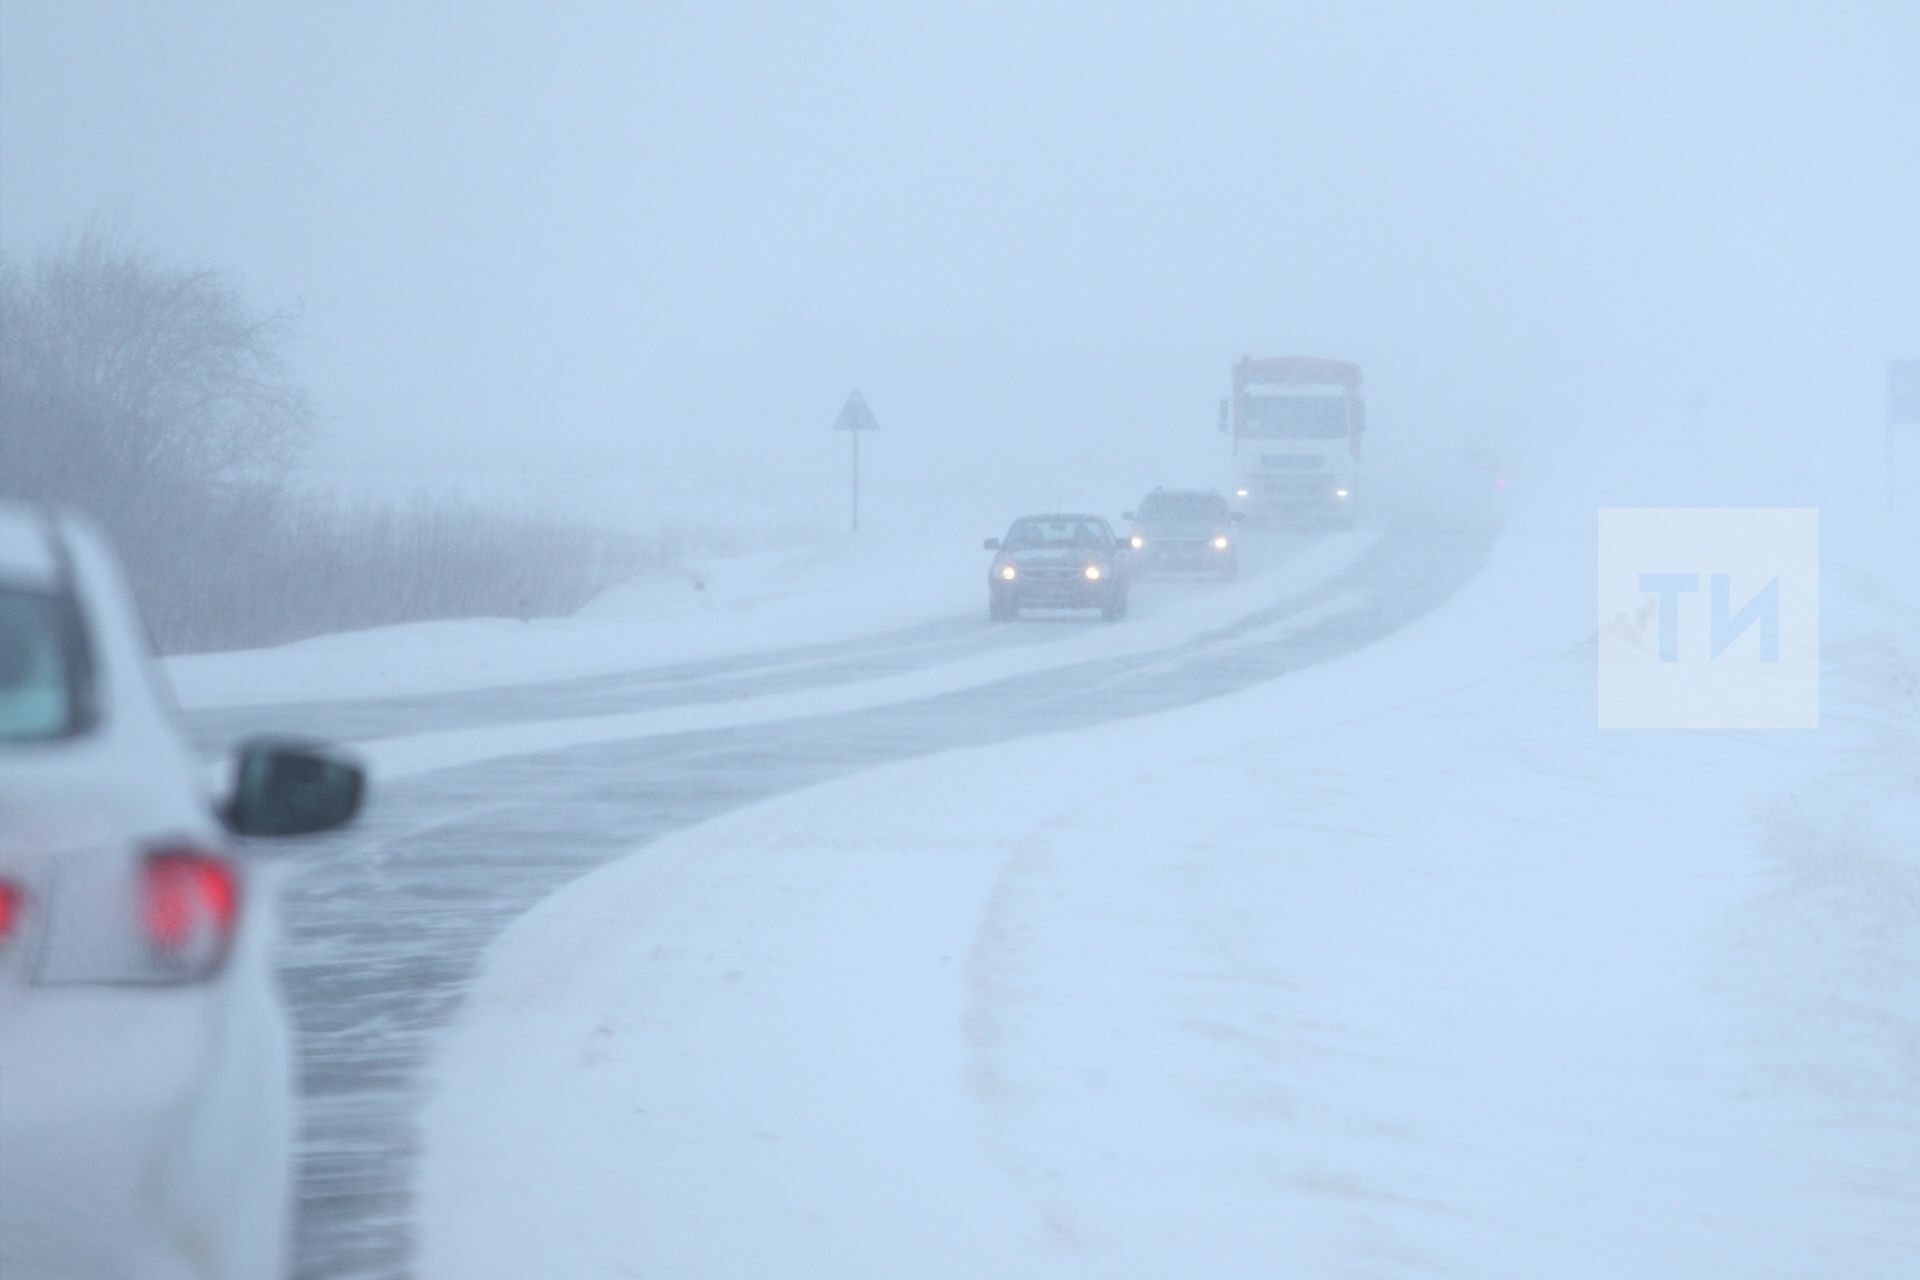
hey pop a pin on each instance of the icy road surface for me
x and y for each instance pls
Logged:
(1398, 967)
(384, 924)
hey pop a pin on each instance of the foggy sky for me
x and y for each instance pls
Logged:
(623, 234)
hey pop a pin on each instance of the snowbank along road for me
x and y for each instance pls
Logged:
(384, 925)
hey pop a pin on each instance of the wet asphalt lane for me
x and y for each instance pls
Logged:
(384, 924)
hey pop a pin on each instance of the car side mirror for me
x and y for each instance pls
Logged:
(291, 789)
(991, 544)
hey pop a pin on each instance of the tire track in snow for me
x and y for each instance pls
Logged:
(385, 923)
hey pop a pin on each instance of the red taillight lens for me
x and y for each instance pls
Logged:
(189, 904)
(13, 904)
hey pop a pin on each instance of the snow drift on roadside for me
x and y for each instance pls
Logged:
(812, 594)
(1400, 967)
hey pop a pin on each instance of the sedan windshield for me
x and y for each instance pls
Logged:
(1064, 533)
(36, 673)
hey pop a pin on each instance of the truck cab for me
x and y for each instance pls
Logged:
(1295, 424)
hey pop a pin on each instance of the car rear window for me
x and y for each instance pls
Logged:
(39, 678)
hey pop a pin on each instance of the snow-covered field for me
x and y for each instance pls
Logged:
(787, 574)
(1395, 967)
(827, 590)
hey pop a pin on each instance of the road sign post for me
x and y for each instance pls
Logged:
(1903, 393)
(1903, 429)
(856, 419)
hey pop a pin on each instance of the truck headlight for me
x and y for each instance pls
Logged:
(1093, 573)
(1008, 573)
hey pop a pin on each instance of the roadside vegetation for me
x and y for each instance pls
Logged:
(154, 398)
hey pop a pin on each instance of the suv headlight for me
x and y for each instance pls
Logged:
(1008, 573)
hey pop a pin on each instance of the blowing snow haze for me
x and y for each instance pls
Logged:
(1365, 719)
(618, 235)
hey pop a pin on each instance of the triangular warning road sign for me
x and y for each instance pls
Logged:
(856, 416)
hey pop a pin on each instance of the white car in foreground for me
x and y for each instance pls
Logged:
(145, 1073)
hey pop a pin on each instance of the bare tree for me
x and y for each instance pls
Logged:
(121, 375)
(154, 398)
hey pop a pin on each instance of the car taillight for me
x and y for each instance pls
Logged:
(189, 907)
(13, 904)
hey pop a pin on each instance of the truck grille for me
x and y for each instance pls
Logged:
(1292, 488)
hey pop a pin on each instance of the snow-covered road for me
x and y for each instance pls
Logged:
(496, 797)
(1397, 967)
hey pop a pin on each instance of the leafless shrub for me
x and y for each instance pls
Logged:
(119, 373)
(319, 566)
(153, 398)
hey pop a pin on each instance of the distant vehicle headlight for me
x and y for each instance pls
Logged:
(1219, 542)
(1239, 493)
(1339, 493)
(1008, 573)
(1093, 573)
(1138, 541)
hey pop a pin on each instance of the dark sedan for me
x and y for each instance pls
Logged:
(1057, 562)
(1186, 530)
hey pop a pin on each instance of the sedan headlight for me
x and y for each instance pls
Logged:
(1093, 573)
(1008, 573)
